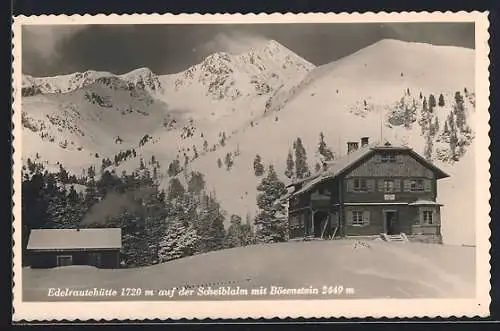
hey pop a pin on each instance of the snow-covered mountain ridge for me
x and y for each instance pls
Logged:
(229, 108)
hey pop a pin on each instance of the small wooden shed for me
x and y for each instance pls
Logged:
(48, 248)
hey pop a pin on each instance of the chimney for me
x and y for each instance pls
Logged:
(352, 146)
(364, 141)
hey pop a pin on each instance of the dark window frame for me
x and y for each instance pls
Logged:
(388, 157)
(417, 185)
(428, 217)
(357, 218)
(386, 187)
(360, 185)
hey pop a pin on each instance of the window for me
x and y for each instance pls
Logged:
(388, 186)
(359, 185)
(357, 217)
(427, 214)
(64, 260)
(416, 185)
(388, 157)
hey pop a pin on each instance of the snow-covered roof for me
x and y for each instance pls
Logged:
(58, 239)
(340, 166)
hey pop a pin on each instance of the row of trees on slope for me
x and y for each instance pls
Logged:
(297, 166)
(157, 225)
(453, 136)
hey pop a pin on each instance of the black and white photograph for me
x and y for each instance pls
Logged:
(251, 161)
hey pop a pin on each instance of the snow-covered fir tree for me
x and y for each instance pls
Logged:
(180, 240)
(236, 235)
(271, 221)
(258, 167)
(210, 224)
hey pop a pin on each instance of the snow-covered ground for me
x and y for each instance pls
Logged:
(372, 269)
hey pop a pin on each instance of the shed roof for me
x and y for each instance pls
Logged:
(344, 164)
(60, 239)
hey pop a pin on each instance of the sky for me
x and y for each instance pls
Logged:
(63, 49)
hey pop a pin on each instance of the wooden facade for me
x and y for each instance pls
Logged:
(100, 258)
(374, 190)
(48, 248)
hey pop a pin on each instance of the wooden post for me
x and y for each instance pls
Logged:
(312, 221)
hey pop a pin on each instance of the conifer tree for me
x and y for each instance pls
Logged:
(323, 149)
(196, 183)
(222, 140)
(441, 100)
(175, 189)
(290, 165)
(210, 225)
(228, 161)
(445, 129)
(195, 152)
(234, 236)
(459, 110)
(271, 222)
(258, 167)
(428, 148)
(174, 168)
(432, 101)
(436, 125)
(180, 240)
(301, 167)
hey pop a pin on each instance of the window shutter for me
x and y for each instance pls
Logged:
(427, 185)
(407, 185)
(366, 217)
(370, 185)
(397, 185)
(380, 185)
(348, 216)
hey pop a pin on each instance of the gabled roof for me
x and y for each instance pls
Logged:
(348, 162)
(58, 239)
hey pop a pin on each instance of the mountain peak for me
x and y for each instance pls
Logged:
(143, 71)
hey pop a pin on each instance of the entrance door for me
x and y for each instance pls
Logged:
(321, 224)
(390, 219)
(95, 259)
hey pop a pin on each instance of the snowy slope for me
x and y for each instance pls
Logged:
(262, 101)
(373, 270)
